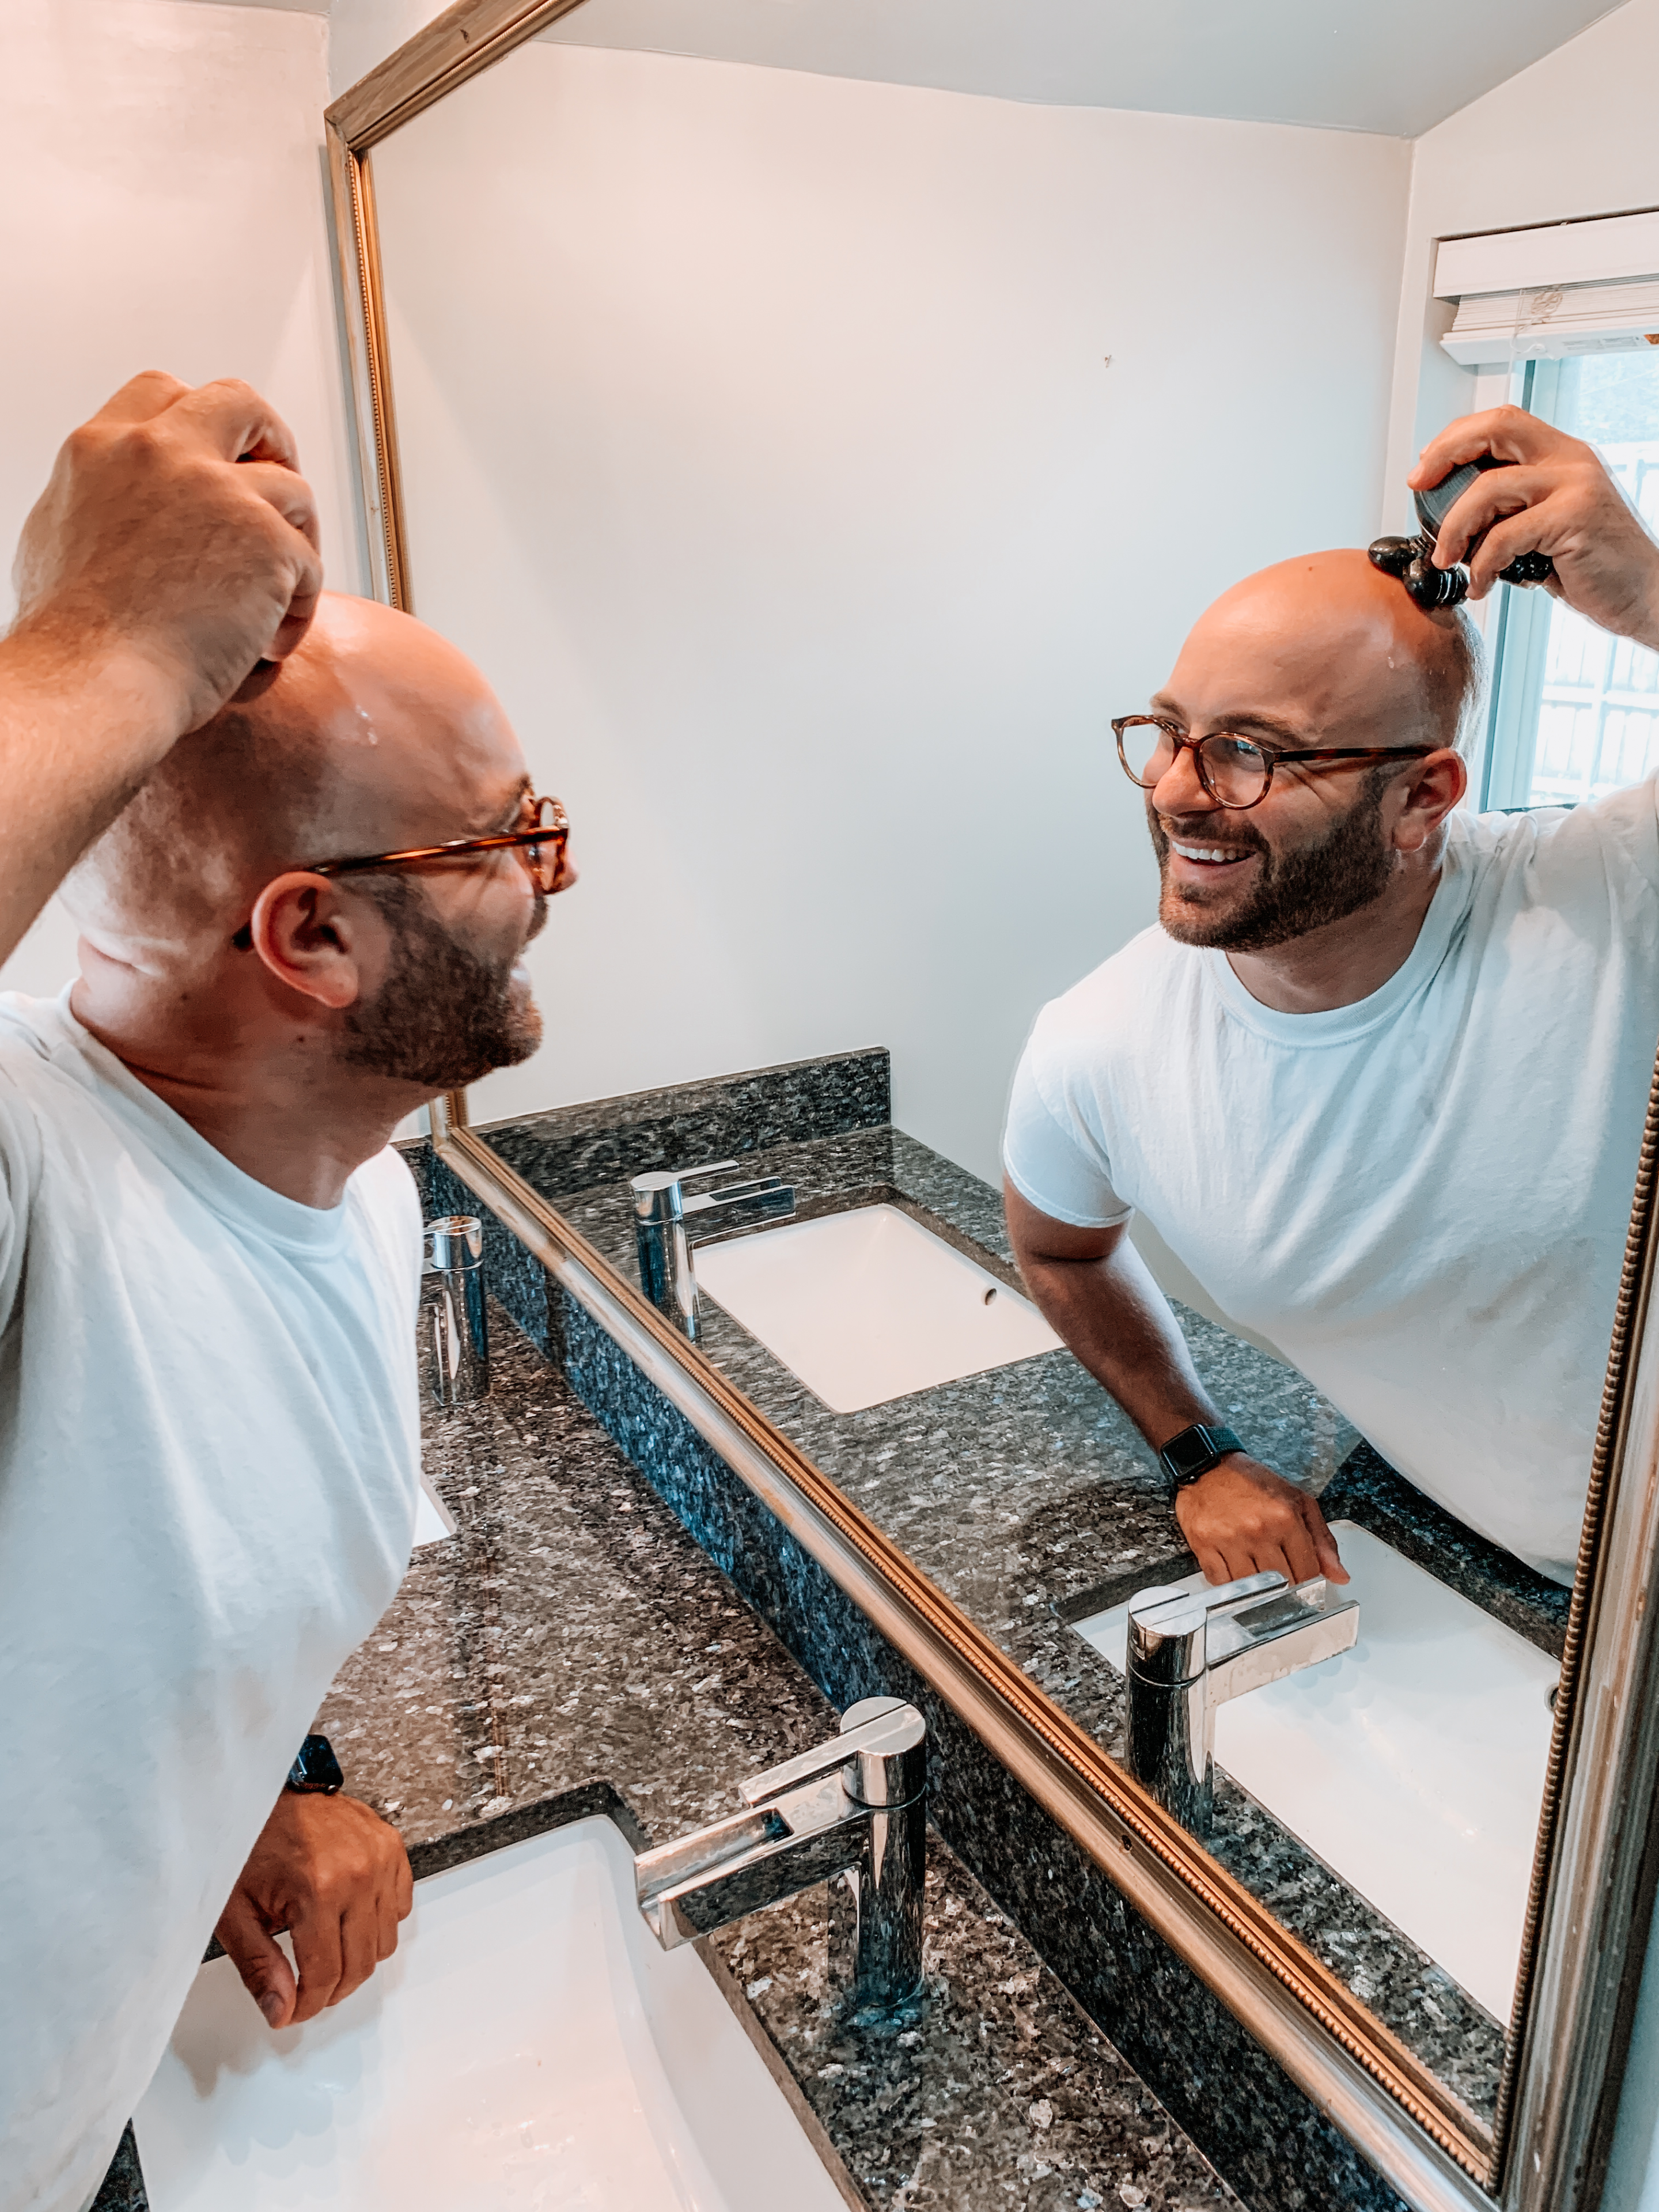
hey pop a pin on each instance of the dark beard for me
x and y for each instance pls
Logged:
(1298, 891)
(444, 1016)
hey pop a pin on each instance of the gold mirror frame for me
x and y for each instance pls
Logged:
(1594, 1875)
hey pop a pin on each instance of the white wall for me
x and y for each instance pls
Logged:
(1572, 135)
(760, 444)
(162, 205)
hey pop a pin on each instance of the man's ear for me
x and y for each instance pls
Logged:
(1431, 790)
(318, 939)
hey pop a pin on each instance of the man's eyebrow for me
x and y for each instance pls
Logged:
(507, 817)
(1271, 725)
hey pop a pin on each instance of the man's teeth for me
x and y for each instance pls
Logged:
(1204, 852)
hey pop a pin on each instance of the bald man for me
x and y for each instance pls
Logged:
(209, 1277)
(1377, 1078)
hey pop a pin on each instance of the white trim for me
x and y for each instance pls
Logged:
(1619, 245)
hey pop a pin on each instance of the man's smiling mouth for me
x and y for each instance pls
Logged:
(1211, 853)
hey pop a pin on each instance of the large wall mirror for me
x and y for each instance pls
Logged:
(814, 467)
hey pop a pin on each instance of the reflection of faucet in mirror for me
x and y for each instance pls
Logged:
(1191, 1650)
(660, 1206)
(857, 1806)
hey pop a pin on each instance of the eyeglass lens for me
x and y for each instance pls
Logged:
(546, 860)
(1232, 769)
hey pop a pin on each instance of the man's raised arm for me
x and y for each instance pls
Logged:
(1098, 1295)
(173, 548)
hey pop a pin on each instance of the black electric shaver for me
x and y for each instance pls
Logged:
(1408, 557)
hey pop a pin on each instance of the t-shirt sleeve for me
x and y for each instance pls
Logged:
(20, 1168)
(1049, 1156)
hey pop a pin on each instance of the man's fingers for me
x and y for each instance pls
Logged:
(232, 417)
(320, 1955)
(386, 1917)
(360, 1944)
(142, 397)
(258, 1958)
(1214, 1566)
(1327, 1560)
(1509, 433)
(1497, 493)
(1301, 1556)
(1506, 542)
(288, 493)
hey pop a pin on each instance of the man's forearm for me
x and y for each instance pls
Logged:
(1118, 1322)
(79, 732)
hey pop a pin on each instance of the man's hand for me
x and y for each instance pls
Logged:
(176, 527)
(1558, 499)
(1241, 1519)
(337, 1877)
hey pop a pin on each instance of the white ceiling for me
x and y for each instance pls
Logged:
(1391, 65)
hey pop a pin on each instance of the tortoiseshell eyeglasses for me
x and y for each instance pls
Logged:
(541, 844)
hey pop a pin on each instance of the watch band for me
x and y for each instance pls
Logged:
(1194, 1451)
(316, 1771)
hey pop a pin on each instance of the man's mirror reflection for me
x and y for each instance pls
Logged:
(1366, 1021)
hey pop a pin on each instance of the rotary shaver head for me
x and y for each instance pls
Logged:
(1408, 557)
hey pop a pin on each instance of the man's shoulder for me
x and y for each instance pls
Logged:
(1151, 967)
(1613, 835)
(386, 1190)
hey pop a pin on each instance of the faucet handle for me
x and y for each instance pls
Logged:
(1168, 1626)
(874, 1733)
(657, 1193)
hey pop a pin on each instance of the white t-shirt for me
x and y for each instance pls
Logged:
(208, 1465)
(1421, 1199)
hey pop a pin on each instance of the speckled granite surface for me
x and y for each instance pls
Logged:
(572, 1650)
(1031, 1500)
(1260, 2131)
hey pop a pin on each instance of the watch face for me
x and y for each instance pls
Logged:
(316, 1771)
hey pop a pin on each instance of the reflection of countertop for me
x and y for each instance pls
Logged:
(1030, 1498)
(571, 1652)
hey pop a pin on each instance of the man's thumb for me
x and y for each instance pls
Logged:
(259, 1959)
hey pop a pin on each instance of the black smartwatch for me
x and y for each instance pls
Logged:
(1194, 1452)
(316, 1771)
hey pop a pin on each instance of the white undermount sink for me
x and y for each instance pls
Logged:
(529, 2049)
(1412, 1764)
(868, 1305)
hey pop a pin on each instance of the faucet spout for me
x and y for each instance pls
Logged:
(856, 1805)
(1192, 1651)
(667, 1222)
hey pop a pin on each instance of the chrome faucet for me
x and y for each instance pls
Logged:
(1191, 1650)
(454, 1322)
(661, 1207)
(856, 1804)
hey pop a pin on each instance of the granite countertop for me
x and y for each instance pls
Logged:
(1028, 1495)
(571, 1650)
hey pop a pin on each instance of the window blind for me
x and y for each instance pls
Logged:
(1546, 295)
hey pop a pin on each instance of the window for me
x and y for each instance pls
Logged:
(1575, 712)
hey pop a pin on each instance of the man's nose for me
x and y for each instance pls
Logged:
(1178, 790)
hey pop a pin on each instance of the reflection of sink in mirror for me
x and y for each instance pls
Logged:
(431, 1521)
(530, 2045)
(1413, 1764)
(868, 1305)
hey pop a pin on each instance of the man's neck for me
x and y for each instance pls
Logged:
(1345, 961)
(292, 1121)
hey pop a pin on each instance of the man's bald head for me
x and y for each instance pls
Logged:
(374, 735)
(1332, 630)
